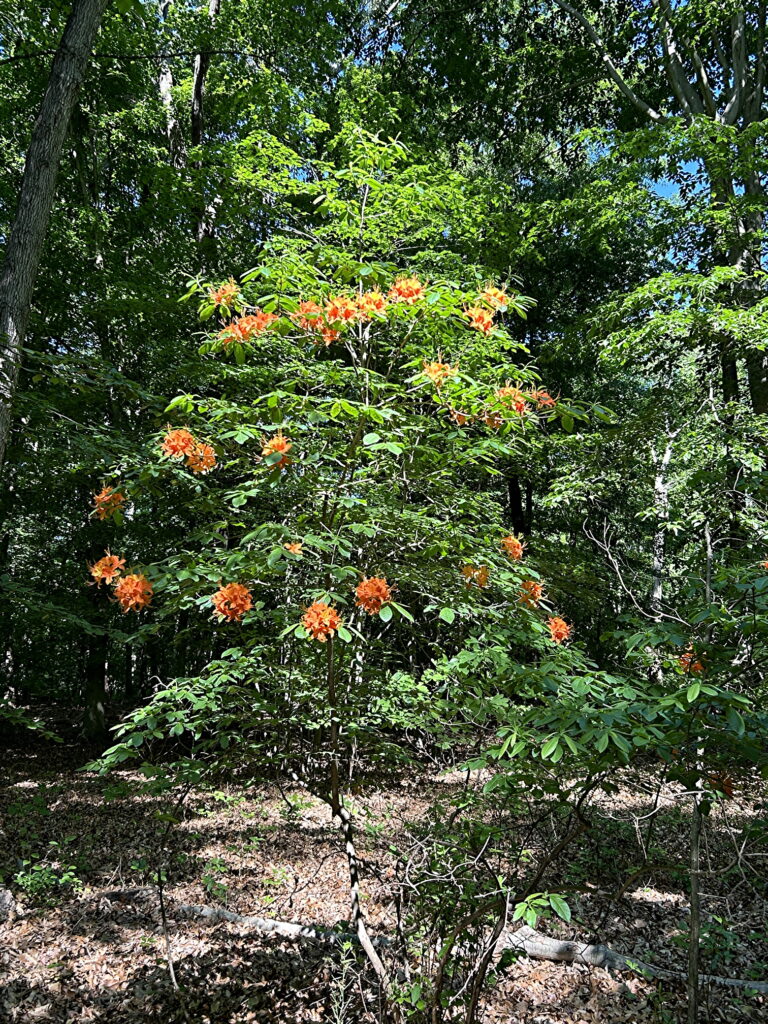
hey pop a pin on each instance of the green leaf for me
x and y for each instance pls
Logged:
(693, 691)
(403, 611)
(447, 615)
(344, 634)
(550, 746)
(735, 721)
(386, 613)
(560, 907)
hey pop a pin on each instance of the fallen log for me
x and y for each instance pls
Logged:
(525, 939)
(268, 926)
(542, 947)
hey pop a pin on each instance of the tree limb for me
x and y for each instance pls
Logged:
(613, 72)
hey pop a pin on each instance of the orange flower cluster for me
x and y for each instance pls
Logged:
(295, 547)
(371, 303)
(542, 399)
(321, 621)
(407, 290)
(134, 592)
(480, 319)
(327, 335)
(309, 317)
(107, 502)
(690, 663)
(513, 547)
(178, 443)
(232, 602)
(531, 593)
(225, 294)
(182, 444)
(247, 327)
(494, 297)
(107, 569)
(476, 576)
(512, 398)
(373, 593)
(340, 309)
(559, 629)
(202, 459)
(280, 444)
(439, 372)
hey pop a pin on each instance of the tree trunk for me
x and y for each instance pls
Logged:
(174, 134)
(661, 499)
(25, 242)
(95, 720)
(695, 929)
(205, 212)
(517, 511)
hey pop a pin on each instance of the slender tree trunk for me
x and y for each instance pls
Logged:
(176, 149)
(95, 721)
(517, 512)
(661, 499)
(694, 934)
(206, 212)
(25, 242)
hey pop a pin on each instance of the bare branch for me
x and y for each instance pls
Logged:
(706, 98)
(613, 72)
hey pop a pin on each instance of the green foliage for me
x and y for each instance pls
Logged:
(45, 882)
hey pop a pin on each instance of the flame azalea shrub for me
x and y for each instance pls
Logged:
(349, 506)
(365, 437)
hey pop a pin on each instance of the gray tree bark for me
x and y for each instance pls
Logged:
(38, 188)
(176, 148)
(205, 215)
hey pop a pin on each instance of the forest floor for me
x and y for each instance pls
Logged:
(71, 954)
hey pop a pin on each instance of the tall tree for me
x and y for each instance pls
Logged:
(712, 90)
(25, 243)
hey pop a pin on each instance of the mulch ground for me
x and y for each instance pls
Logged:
(89, 957)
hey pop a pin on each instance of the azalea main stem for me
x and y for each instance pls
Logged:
(339, 811)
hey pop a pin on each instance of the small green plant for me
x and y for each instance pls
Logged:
(342, 987)
(294, 805)
(46, 883)
(213, 881)
(541, 904)
(276, 878)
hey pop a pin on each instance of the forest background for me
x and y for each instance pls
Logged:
(602, 163)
